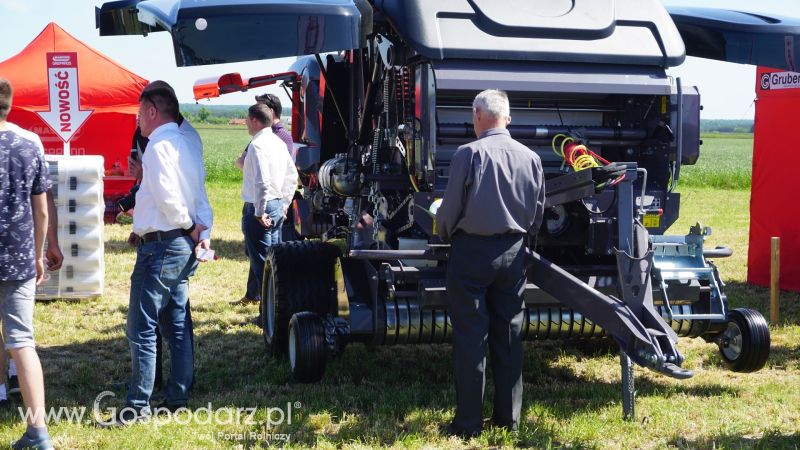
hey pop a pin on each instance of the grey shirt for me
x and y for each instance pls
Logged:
(496, 186)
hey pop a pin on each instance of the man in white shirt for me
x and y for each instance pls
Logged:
(172, 221)
(193, 159)
(193, 166)
(268, 186)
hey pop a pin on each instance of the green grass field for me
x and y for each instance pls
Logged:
(223, 144)
(726, 162)
(396, 397)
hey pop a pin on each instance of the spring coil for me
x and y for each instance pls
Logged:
(383, 121)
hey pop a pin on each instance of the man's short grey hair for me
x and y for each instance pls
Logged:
(493, 102)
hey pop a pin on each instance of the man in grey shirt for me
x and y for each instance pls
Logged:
(494, 199)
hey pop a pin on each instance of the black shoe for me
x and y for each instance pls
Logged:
(13, 385)
(494, 423)
(453, 430)
(245, 301)
(254, 321)
(163, 407)
(4, 403)
(125, 417)
(157, 398)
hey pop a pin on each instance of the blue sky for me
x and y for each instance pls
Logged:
(729, 96)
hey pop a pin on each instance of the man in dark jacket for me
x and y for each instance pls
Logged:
(493, 201)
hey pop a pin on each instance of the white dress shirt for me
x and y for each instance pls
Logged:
(269, 172)
(172, 193)
(194, 169)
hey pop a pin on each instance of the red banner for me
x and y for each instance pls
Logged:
(775, 162)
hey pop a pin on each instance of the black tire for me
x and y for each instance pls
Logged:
(298, 276)
(307, 352)
(744, 345)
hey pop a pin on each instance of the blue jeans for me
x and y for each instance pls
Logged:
(159, 299)
(257, 240)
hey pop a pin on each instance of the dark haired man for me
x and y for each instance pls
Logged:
(170, 230)
(274, 103)
(268, 185)
(23, 226)
(193, 159)
(140, 142)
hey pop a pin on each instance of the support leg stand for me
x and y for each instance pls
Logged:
(628, 389)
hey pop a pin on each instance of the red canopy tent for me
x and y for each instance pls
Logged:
(775, 163)
(100, 122)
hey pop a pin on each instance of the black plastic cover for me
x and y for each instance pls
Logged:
(739, 37)
(690, 134)
(121, 18)
(583, 31)
(224, 31)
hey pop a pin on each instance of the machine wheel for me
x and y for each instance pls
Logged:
(744, 345)
(307, 352)
(298, 276)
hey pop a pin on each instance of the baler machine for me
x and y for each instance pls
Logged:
(383, 99)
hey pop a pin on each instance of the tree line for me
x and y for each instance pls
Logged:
(726, 126)
(222, 114)
(213, 114)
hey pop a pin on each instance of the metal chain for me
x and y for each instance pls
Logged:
(410, 214)
(400, 206)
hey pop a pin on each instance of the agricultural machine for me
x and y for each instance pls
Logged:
(381, 98)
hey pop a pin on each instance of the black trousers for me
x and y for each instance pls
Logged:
(485, 283)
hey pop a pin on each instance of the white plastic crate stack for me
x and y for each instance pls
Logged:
(77, 187)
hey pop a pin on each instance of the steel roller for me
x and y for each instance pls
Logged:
(409, 323)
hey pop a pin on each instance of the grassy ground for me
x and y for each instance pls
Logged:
(397, 397)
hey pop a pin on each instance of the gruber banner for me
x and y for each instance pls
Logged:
(65, 116)
(775, 163)
(779, 80)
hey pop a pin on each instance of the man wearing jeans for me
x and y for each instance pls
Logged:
(170, 227)
(268, 185)
(23, 226)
